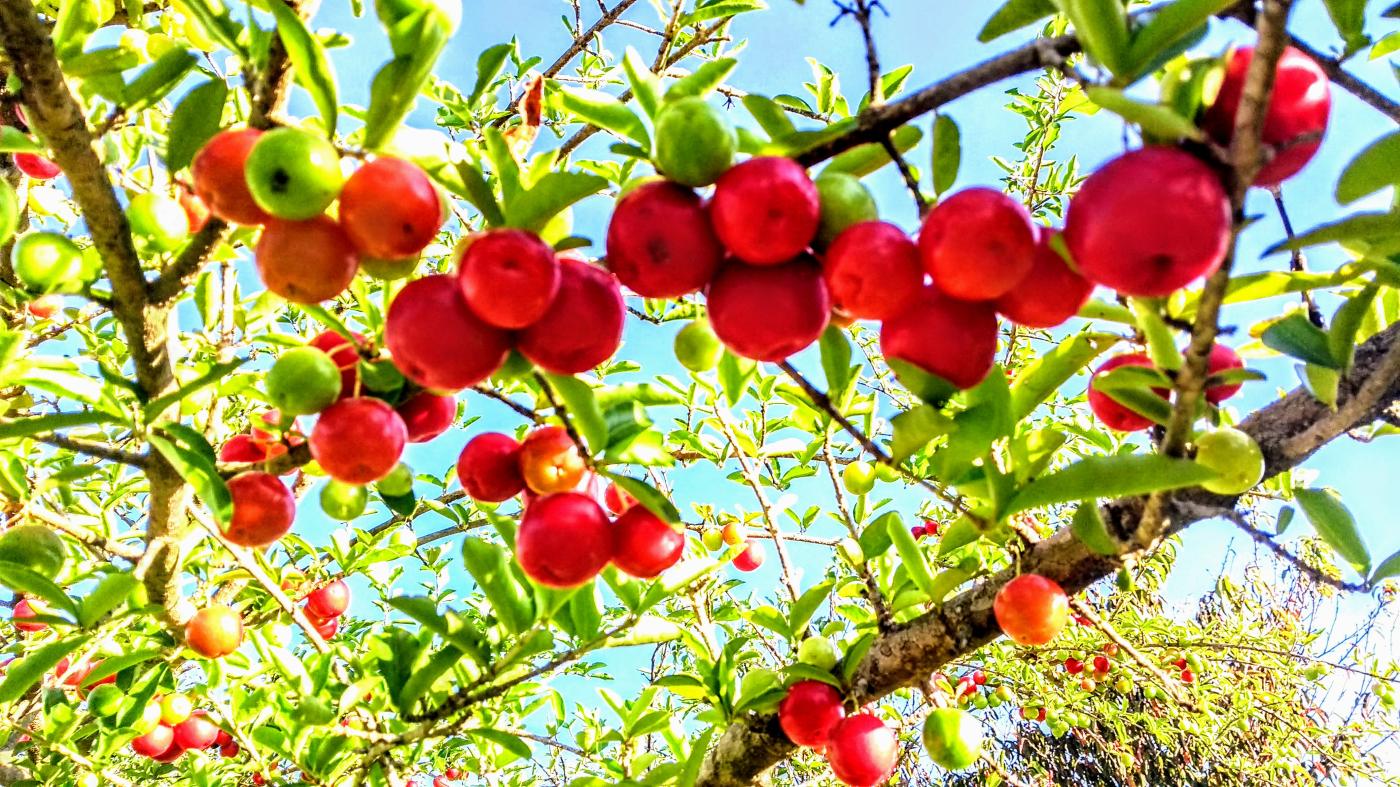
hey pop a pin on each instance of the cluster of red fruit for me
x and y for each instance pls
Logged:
(860, 748)
(325, 605)
(181, 728)
(1098, 668)
(561, 506)
(1117, 416)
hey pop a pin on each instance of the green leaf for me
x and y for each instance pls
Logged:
(1296, 337)
(1043, 376)
(770, 115)
(911, 556)
(1320, 381)
(947, 152)
(533, 208)
(479, 194)
(807, 605)
(1091, 531)
(1169, 24)
(490, 565)
(109, 594)
(309, 61)
(604, 111)
(214, 18)
(865, 159)
(915, 428)
(158, 79)
(1346, 322)
(719, 10)
(1102, 26)
(488, 66)
(836, 359)
(1138, 389)
(583, 409)
(1335, 524)
(220, 372)
(24, 672)
(506, 740)
(1158, 121)
(735, 374)
(947, 581)
(77, 19)
(32, 583)
(701, 82)
(1388, 568)
(1285, 518)
(1120, 475)
(647, 495)
(424, 676)
(1373, 169)
(114, 664)
(193, 458)
(1362, 227)
(646, 86)
(197, 118)
(46, 424)
(396, 85)
(1349, 16)
(448, 626)
(12, 140)
(696, 758)
(1014, 15)
(875, 539)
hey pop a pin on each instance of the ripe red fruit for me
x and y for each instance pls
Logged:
(306, 261)
(809, 712)
(441, 782)
(644, 544)
(1222, 358)
(660, 242)
(765, 210)
(437, 341)
(861, 750)
(617, 500)
(427, 415)
(390, 209)
(1110, 649)
(223, 738)
(214, 632)
(1031, 609)
(1179, 663)
(196, 732)
(1050, 293)
(508, 277)
(245, 448)
(330, 600)
(1101, 664)
(263, 509)
(1074, 666)
(36, 166)
(452, 773)
(359, 440)
(564, 540)
(752, 556)
(45, 306)
(872, 271)
(195, 210)
(325, 627)
(23, 610)
(977, 244)
(1299, 107)
(583, 325)
(217, 171)
(1187, 676)
(1111, 413)
(229, 749)
(917, 531)
(346, 357)
(979, 677)
(1149, 222)
(489, 468)
(952, 339)
(550, 461)
(154, 743)
(768, 313)
(171, 754)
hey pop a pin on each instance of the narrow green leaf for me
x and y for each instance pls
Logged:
(1102, 26)
(1362, 226)
(395, 87)
(1120, 475)
(647, 495)
(1346, 323)
(1296, 337)
(12, 140)
(691, 772)
(836, 359)
(490, 565)
(911, 556)
(915, 428)
(1388, 568)
(479, 194)
(1285, 518)
(807, 605)
(423, 677)
(1014, 15)
(1043, 376)
(197, 118)
(646, 86)
(193, 458)
(875, 539)
(947, 581)
(1157, 121)
(77, 19)
(947, 152)
(719, 10)
(31, 583)
(533, 208)
(604, 111)
(309, 62)
(24, 672)
(114, 664)
(109, 594)
(735, 374)
(221, 371)
(1373, 169)
(157, 80)
(771, 116)
(865, 159)
(703, 81)
(506, 740)
(1091, 531)
(1335, 524)
(488, 66)
(1169, 24)
(579, 400)
(46, 424)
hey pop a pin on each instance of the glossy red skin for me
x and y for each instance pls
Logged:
(195, 210)
(325, 627)
(154, 743)
(872, 271)
(1050, 293)
(346, 357)
(196, 732)
(171, 754)
(1222, 358)
(582, 327)
(441, 782)
(452, 773)
(955, 340)
(245, 448)
(1149, 223)
(550, 461)
(229, 749)
(437, 341)
(1102, 664)
(768, 313)
(644, 545)
(765, 210)
(660, 242)
(1074, 666)
(23, 610)
(306, 261)
(752, 556)
(977, 244)
(36, 166)
(359, 440)
(1110, 413)
(44, 306)
(223, 738)
(616, 500)
(427, 415)
(564, 540)
(390, 209)
(508, 277)
(1187, 676)
(330, 600)
(862, 750)
(217, 172)
(1299, 107)
(809, 712)
(263, 509)
(214, 632)
(489, 468)
(1031, 609)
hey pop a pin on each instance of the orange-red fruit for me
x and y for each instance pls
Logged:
(214, 632)
(45, 306)
(437, 341)
(1149, 222)
(564, 540)
(489, 468)
(809, 712)
(195, 210)
(770, 312)
(219, 180)
(508, 277)
(644, 544)
(427, 415)
(660, 242)
(359, 440)
(306, 261)
(263, 509)
(617, 500)
(390, 209)
(1222, 358)
(872, 271)
(36, 166)
(550, 461)
(1299, 106)
(583, 325)
(23, 610)
(325, 627)
(1050, 293)
(862, 750)
(752, 556)
(196, 732)
(977, 244)
(952, 339)
(1109, 412)
(1031, 609)
(765, 210)
(346, 357)
(154, 743)
(330, 600)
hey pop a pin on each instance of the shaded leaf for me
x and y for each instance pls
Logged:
(1121, 475)
(1335, 524)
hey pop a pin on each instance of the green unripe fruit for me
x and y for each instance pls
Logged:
(953, 738)
(293, 174)
(819, 652)
(92, 265)
(844, 201)
(697, 347)
(389, 270)
(47, 262)
(859, 478)
(1235, 456)
(712, 538)
(343, 501)
(304, 381)
(1194, 662)
(105, 700)
(1004, 693)
(35, 547)
(160, 220)
(886, 473)
(397, 483)
(979, 701)
(1123, 685)
(9, 211)
(695, 142)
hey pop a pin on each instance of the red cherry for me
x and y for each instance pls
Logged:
(872, 271)
(1149, 222)
(325, 627)
(306, 261)
(196, 732)
(1180, 663)
(359, 440)
(437, 341)
(952, 339)
(1111, 413)
(931, 527)
(23, 610)
(583, 326)
(258, 779)
(1187, 676)
(218, 175)
(390, 209)
(243, 448)
(809, 712)
(195, 210)
(765, 210)
(1031, 609)
(660, 242)
(564, 540)
(489, 468)
(214, 632)
(1299, 107)
(752, 556)
(36, 166)
(1222, 358)
(1050, 293)
(263, 509)
(223, 738)
(977, 244)
(644, 544)
(862, 750)
(1074, 666)
(768, 313)
(229, 749)
(45, 306)
(427, 415)
(346, 356)
(329, 601)
(508, 277)
(1101, 664)
(441, 782)
(171, 754)
(979, 677)
(154, 743)
(617, 500)
(917, 531)
(452, 773)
